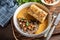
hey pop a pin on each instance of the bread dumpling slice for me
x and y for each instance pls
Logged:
(37, 13)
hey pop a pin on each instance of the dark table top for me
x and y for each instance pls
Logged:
(6, 33)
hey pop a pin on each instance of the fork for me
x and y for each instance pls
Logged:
(54, 26)
(51, 23)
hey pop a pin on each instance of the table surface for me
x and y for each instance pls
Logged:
(7, 34)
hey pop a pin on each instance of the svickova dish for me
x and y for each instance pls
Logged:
(27, 24)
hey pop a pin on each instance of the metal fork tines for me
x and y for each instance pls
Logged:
(54, 25)
(51, 23)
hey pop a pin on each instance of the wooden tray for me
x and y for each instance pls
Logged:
(18, 36)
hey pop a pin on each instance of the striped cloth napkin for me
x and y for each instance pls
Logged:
(7, 9)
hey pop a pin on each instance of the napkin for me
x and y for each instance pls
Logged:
(7, 9)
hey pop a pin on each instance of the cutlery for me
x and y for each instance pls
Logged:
(54, 25)
(50, 24)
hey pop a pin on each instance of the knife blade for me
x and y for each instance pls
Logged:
(52, 29)
(57, 19)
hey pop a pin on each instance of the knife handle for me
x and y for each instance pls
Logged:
(49, 27)
(50, 33)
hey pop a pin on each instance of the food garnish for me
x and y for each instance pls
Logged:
(27, 25)
(25, 1)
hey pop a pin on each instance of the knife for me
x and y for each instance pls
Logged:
(54, 25)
